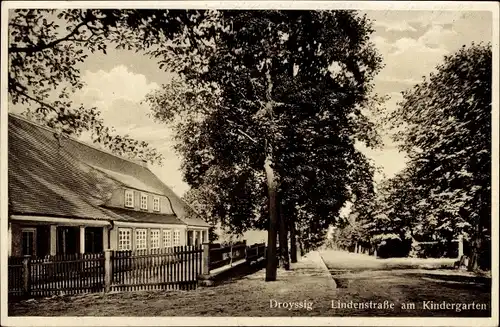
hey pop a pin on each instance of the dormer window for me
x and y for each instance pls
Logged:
(129, 198)
(144, 201)
(156, 203)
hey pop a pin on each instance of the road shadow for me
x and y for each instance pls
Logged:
(456, 281)
(239, 272)
(452, 279)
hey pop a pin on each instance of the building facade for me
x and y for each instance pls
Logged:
(66, 196)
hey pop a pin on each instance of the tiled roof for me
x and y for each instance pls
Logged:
(142, 216)
(66, 177)
(128, 180)
(182, 209)
(196, 222)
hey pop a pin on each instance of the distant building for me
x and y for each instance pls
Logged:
(251, 236)
(66, 196)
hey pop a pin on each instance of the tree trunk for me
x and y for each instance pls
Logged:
(272, 259)
(301, 247)
(477, 241)
(272, 262)
(284, 257)
(474, 258)
(293, 241)
(475, 250)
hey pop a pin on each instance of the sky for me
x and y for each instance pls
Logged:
(412, 43)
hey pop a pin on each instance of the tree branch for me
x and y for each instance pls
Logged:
(243, 133)
(44, 46)
(248, 136)
(40, 102)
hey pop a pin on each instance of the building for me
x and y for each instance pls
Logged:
(66, 196)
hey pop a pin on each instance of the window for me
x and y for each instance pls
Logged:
(144, 201)
(124, 239)
(155, 238)
(28, 241)
(129, 198)
(156, 203)
(167, 238)
(177, 237)
(140, 239)
(197, 237)
(205, 236)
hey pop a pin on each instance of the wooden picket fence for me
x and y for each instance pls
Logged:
(15, 276)
(170, 268)
(220, 256)
(256, 251)
(50, 275)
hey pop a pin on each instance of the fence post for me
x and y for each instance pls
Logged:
(460, 246)
(26, 275)
(244, 249)
(206, 259)
(231, 255)
(108, 273)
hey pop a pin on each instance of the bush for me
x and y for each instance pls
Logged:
(393, 248)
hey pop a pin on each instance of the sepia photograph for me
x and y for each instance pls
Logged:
(249, 163)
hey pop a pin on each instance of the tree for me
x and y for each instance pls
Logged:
(268, 103)
(45, 48)
(444, 125)
(355, 229)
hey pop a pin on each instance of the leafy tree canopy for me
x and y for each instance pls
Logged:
(45, 48)
(296, 83)
(444, 125)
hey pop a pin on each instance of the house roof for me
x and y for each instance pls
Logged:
(142, 216)
(62, 176)
(128, 180)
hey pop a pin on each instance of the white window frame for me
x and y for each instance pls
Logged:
(156, 203)
(176, 239)
(141, 239)
(154, 234)
(144, 204)
(167, 238)
(129, 195)
(123, 245)
(31, 231)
